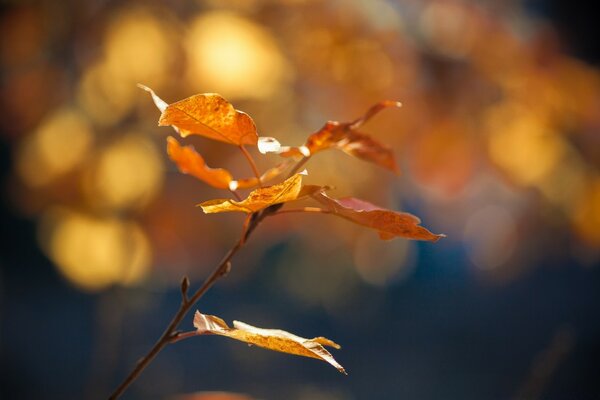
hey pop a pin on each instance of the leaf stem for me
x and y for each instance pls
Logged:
(299, 165)
(236, 195)
(169, 334)
(252, 164)
(182, 335)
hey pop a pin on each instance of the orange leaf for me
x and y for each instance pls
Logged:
(212, 116)
(343, 136)
(366, 148)
(288, 190)
(190, 162)
(272, 339)
(389, 224)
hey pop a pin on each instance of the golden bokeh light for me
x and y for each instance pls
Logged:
(128, 173)
(522, 144)
(104, 99)
(137, 49)
(92, 252)
(61, 142)
(234, 56)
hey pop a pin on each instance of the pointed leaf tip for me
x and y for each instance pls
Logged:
(158, 102)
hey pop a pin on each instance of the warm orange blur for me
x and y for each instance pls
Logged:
(496, 124)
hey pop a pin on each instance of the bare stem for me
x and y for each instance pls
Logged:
(236, 195)
(183, 335)
(252, 164)
(170, 335)
(299, 165)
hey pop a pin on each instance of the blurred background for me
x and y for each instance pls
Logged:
(498, 143)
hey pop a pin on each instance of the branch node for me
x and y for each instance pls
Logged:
(185, 284)
(226, 269)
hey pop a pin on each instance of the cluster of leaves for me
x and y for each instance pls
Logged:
(213, 117)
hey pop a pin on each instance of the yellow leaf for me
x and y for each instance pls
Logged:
(288, 190)
(389, 224)
(272, 339)
(211, 116)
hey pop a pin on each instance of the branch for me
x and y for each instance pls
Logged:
(169, 335)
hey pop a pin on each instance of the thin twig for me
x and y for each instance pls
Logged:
(252, 164)
(299, 165)
(236, 195)
(183, 335)
(167, 336)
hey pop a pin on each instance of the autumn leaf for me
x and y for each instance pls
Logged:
(211, 116)
(190, 162)
(389, 224)
(272, 339)
(288, 190)
(344, 136)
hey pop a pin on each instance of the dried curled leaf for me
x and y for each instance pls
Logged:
(288, 190)
(189, 161)
(389, 224)
(211, 116)
(272, 339)
(345, 137)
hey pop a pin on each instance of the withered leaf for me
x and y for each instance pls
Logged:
(211, 116)
(389, 224)
(190, 162)
(288, 190)
(272, 339)
(345, 137)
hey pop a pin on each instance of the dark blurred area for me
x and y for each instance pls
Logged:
(498, 141)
